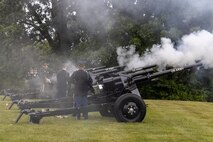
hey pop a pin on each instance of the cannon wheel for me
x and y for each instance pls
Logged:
(106, 111)
(129, 108)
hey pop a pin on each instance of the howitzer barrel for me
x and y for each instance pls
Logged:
(162, 73)
(110, 79)
(106, 72)
(93, 69)
(138, 69)
(100, 76)
(147, 67)
(118, 78)
(141, 72)
(115, 71)
(107, 69)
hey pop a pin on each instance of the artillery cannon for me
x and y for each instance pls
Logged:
(66, 102)
(116, 95)
(19, 97)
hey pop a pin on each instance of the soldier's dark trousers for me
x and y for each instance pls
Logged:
(61, 92)
(81, 101)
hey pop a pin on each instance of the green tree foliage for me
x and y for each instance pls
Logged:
(9, 36)
(17, 52)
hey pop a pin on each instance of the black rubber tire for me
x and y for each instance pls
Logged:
(130, 108)
(106, 111)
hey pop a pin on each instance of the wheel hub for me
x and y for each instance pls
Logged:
(130, 110)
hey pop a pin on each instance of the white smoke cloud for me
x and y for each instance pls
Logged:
(93, 13)
(71, 67)
(193, 47)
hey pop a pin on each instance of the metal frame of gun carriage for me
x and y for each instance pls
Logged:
(116, 94)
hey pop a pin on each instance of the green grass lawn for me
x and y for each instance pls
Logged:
(166, 121)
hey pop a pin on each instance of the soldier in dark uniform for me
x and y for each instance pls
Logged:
(45, 73)
(82, 84)
(62, 82)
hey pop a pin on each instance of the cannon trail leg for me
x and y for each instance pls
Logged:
(4, 97)
(11, 105)
(19, 117)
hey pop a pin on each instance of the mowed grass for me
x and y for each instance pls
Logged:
(166, 121)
